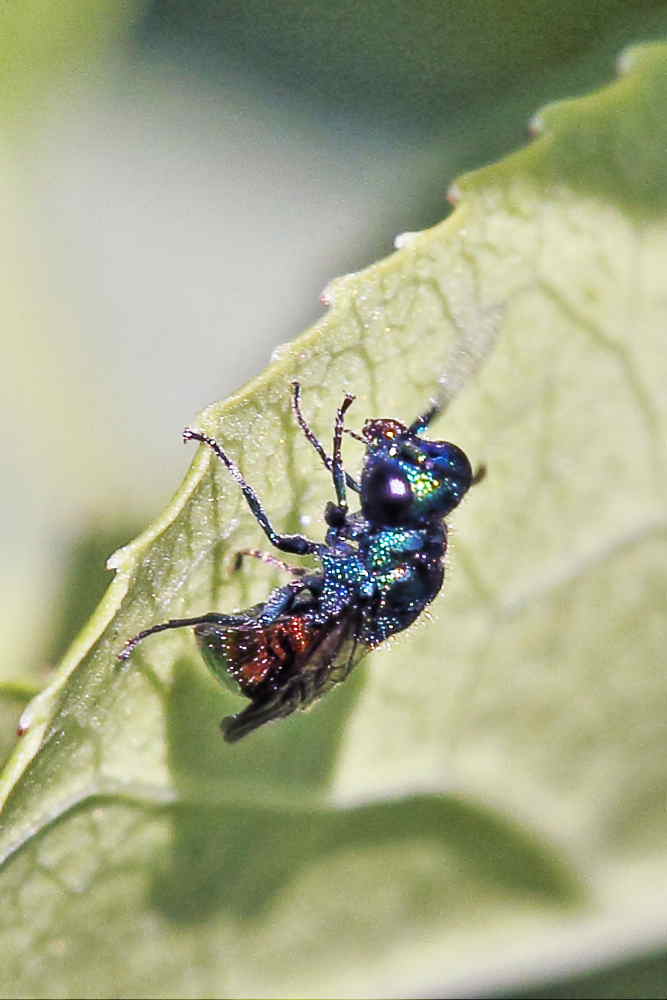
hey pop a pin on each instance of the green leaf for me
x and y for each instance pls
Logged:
(493, 785)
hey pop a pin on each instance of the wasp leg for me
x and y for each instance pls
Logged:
(422, 422)
(312, 438)
(337, 469)
(357, 437)
(278, 603)
(281, 601)
(266, 557)
(297, 544)
(209, 619)
(480, 474)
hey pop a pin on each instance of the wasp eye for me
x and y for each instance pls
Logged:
(387, 494)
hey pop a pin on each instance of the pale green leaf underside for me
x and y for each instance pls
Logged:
(514, 749)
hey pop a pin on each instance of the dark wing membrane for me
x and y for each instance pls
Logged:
(251, 657)
(290, 664)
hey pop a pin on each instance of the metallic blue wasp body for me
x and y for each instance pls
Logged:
(380, 567)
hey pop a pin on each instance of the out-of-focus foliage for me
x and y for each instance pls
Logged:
(40, 42)
(388, 59)
(42, 46)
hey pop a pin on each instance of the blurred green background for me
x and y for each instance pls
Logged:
(180, 181)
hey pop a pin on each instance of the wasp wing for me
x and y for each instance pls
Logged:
(284, 666)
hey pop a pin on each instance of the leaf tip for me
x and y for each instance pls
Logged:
(536, 124)
(630, 58)
(454, 193)
(116, 558)
(402, 240)
(25, 720)
(625, 61)
(330, 291)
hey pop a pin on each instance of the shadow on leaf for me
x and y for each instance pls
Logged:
(241, 855)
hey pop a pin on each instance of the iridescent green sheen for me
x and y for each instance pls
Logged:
(380, 567)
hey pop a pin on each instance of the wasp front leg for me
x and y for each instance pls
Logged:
(297, 544)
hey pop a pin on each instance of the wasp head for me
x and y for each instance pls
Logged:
(407, 479)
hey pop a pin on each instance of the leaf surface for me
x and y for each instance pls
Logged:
(494, 783)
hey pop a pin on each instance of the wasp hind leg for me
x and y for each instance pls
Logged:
(267, 558)
(222, 621)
